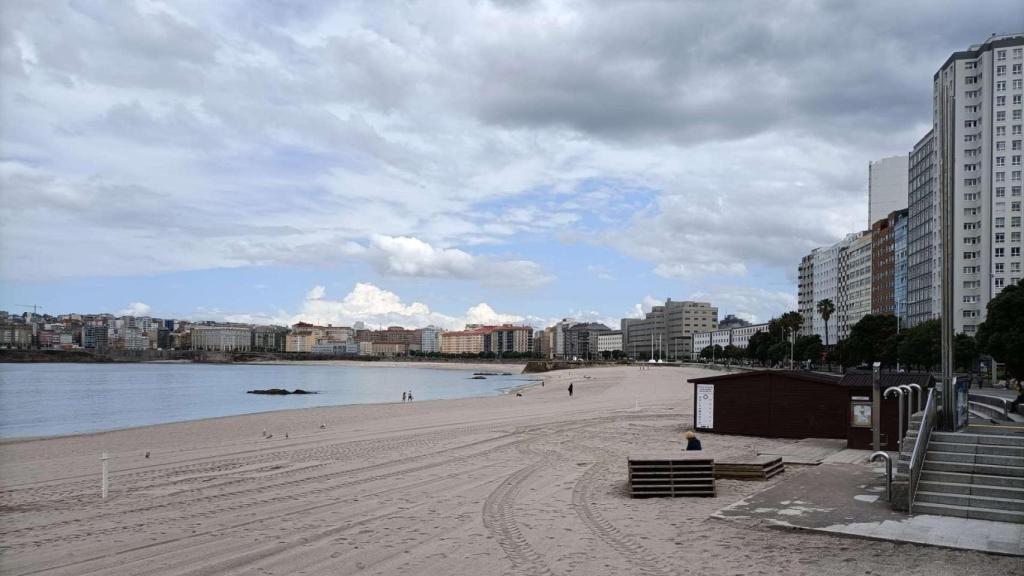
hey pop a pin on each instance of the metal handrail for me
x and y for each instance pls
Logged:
(924, 434)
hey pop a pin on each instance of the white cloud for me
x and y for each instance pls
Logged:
(376, 306)
(135, 309)
(409, 256)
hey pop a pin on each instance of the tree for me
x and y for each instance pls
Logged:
(921, 346)
(825, 309)
(706, 352)
(872, 339)
(1001, 335)
(965, 353)
(808, 348)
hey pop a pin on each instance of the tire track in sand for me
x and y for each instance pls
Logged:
(628, 547)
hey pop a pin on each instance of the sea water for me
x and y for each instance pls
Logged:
(55, 399)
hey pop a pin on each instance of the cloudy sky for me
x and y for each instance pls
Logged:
(445, 161)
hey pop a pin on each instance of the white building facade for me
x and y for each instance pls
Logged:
(887, 187)
(977, 124)
(854, 292)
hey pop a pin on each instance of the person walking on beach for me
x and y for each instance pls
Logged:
(692, 442)
(570, 389)
(410, 395)
(403, 397)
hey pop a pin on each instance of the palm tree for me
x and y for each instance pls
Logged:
(825, 309)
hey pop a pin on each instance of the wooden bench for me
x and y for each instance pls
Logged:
(671, 475)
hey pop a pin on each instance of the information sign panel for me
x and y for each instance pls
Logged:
(706, 406)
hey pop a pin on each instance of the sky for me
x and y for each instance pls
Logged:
(448, 161)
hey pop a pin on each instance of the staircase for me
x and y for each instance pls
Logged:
(992, 408)
(972, 475)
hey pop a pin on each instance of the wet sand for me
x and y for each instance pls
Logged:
(496, 485)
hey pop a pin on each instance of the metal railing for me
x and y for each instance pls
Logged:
(917, 455)
(888, 472)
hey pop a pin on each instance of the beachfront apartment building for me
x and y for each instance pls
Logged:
(819, 279)
(805, 293)
(854, 291)
(924, 253)
(497, 339)
(221, 337)
(889, 265)
(610, 341)
(738, 337)
(430, 339)
(887, 187)
(667, 330)
(978, 132)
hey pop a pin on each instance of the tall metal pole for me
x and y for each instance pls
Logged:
(946, 208)
(876, 406)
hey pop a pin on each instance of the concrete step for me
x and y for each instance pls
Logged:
(1015, 441)
(968, 489)
(991, 450)
(987, 411)
(971, 501)
(969, 512)
(973, 479)
(973, 468)
(967, 457)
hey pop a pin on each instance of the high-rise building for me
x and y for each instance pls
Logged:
(887, 187)
(666, 331)
(854, 290)
(889, 264)
(805, 293)
(819, 274)
(977, 126)
(923, 240)
(429, 341)
(582, 339)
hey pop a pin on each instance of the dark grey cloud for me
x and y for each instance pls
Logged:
(695, 71)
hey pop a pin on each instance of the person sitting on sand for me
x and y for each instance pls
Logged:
(692, 442)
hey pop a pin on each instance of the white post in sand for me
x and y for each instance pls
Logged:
(636, 404)
(103, 459)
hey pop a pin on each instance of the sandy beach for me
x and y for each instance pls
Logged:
(495, 485)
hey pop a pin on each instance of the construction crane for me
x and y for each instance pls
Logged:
(34, 307)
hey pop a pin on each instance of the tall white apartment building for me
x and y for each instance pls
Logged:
(430, 339)
(924, 253)
(819, 280)
(977, 124)
(854, 292)
(887, 187)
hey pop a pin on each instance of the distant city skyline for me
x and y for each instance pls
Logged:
(492, 162)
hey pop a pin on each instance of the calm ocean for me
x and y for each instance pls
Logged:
(54, 399)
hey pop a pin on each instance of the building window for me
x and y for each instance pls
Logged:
(1000, 191)
(1000, 100)
(1000, 130)
(1016, 145)
(1000, 252)
(1000, 238)
(1000, 55)
(1000, 222)
(1015, 222)
(1016, 98)
(1000, 176)
(972, 197)
(1018, 84)
(999, 266)
(1015, 191)
(1018, 53)
(1000, 281)
(1015, 176)
(1000, 161)
(1000, 86)
(1015, 252)
(1001, 145)
(1016, 160)
(1016, 115)
(1001, 70)
(971, 299)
